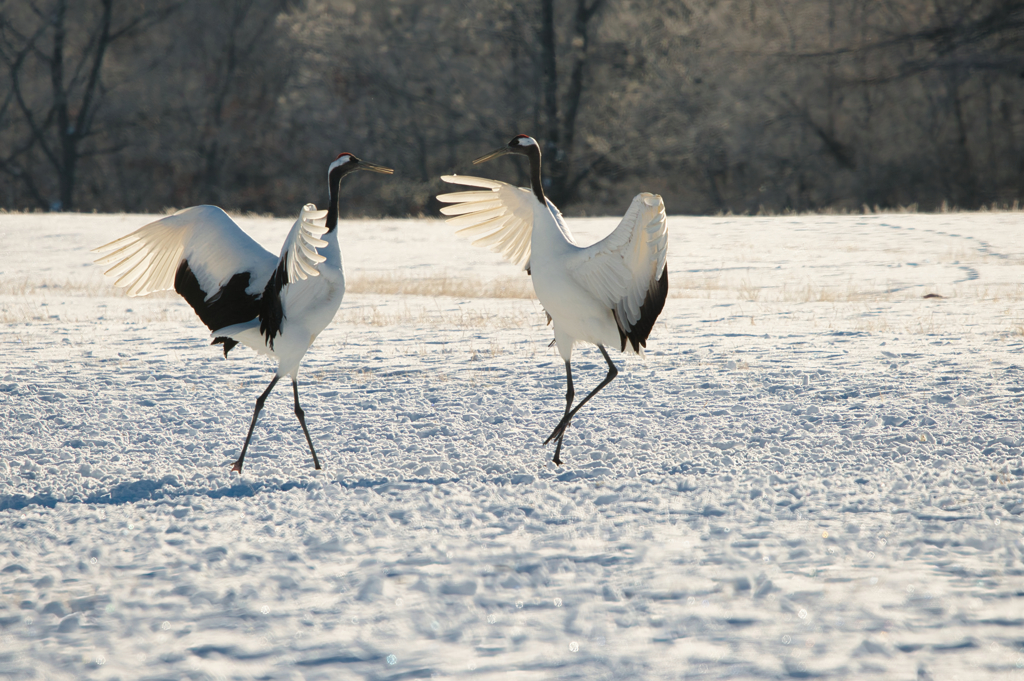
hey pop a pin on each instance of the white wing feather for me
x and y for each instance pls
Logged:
(299, 250)
(215, 247)
(620, 269)
(501, 216)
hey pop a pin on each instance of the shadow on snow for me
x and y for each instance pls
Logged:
(169, 488)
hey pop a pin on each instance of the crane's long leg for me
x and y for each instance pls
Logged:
(564, 423)
(237, 467)
(569, 395)
(302, 420)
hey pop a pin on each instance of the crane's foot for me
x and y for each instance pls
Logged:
(237, 467)
(558, 449)
(558, 432)
(557, 436)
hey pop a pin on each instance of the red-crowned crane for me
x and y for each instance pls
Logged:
(275, 305)
(608, 294)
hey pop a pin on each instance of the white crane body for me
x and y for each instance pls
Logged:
(310, 304)
(576, 315)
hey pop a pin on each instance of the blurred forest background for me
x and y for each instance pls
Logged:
(718, 105)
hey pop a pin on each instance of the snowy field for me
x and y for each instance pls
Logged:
(815, 473)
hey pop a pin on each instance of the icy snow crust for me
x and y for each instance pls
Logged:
(815, 474)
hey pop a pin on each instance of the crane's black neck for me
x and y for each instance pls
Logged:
(334, 182)
(532, 152)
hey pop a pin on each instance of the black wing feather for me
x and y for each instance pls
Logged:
(227, 306)
(654, 303)
(271, 313)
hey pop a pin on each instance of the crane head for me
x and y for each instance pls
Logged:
(522, 141)
(346, 163)
(520, 144)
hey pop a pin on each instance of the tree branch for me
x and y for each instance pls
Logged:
(85, 112)
(37, 133)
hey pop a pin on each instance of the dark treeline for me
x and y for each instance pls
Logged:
(718, 105)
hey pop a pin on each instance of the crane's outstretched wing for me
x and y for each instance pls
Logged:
(626, 269)
(216, 267)
(299, 255)
(501, 215)
(203, 255)
(201, 240)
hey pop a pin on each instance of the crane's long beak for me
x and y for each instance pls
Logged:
(494, 154)
(364, 165)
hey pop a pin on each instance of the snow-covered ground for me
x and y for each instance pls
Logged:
(816, 473)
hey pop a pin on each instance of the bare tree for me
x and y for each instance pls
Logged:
(246, 70)
(54, 55)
